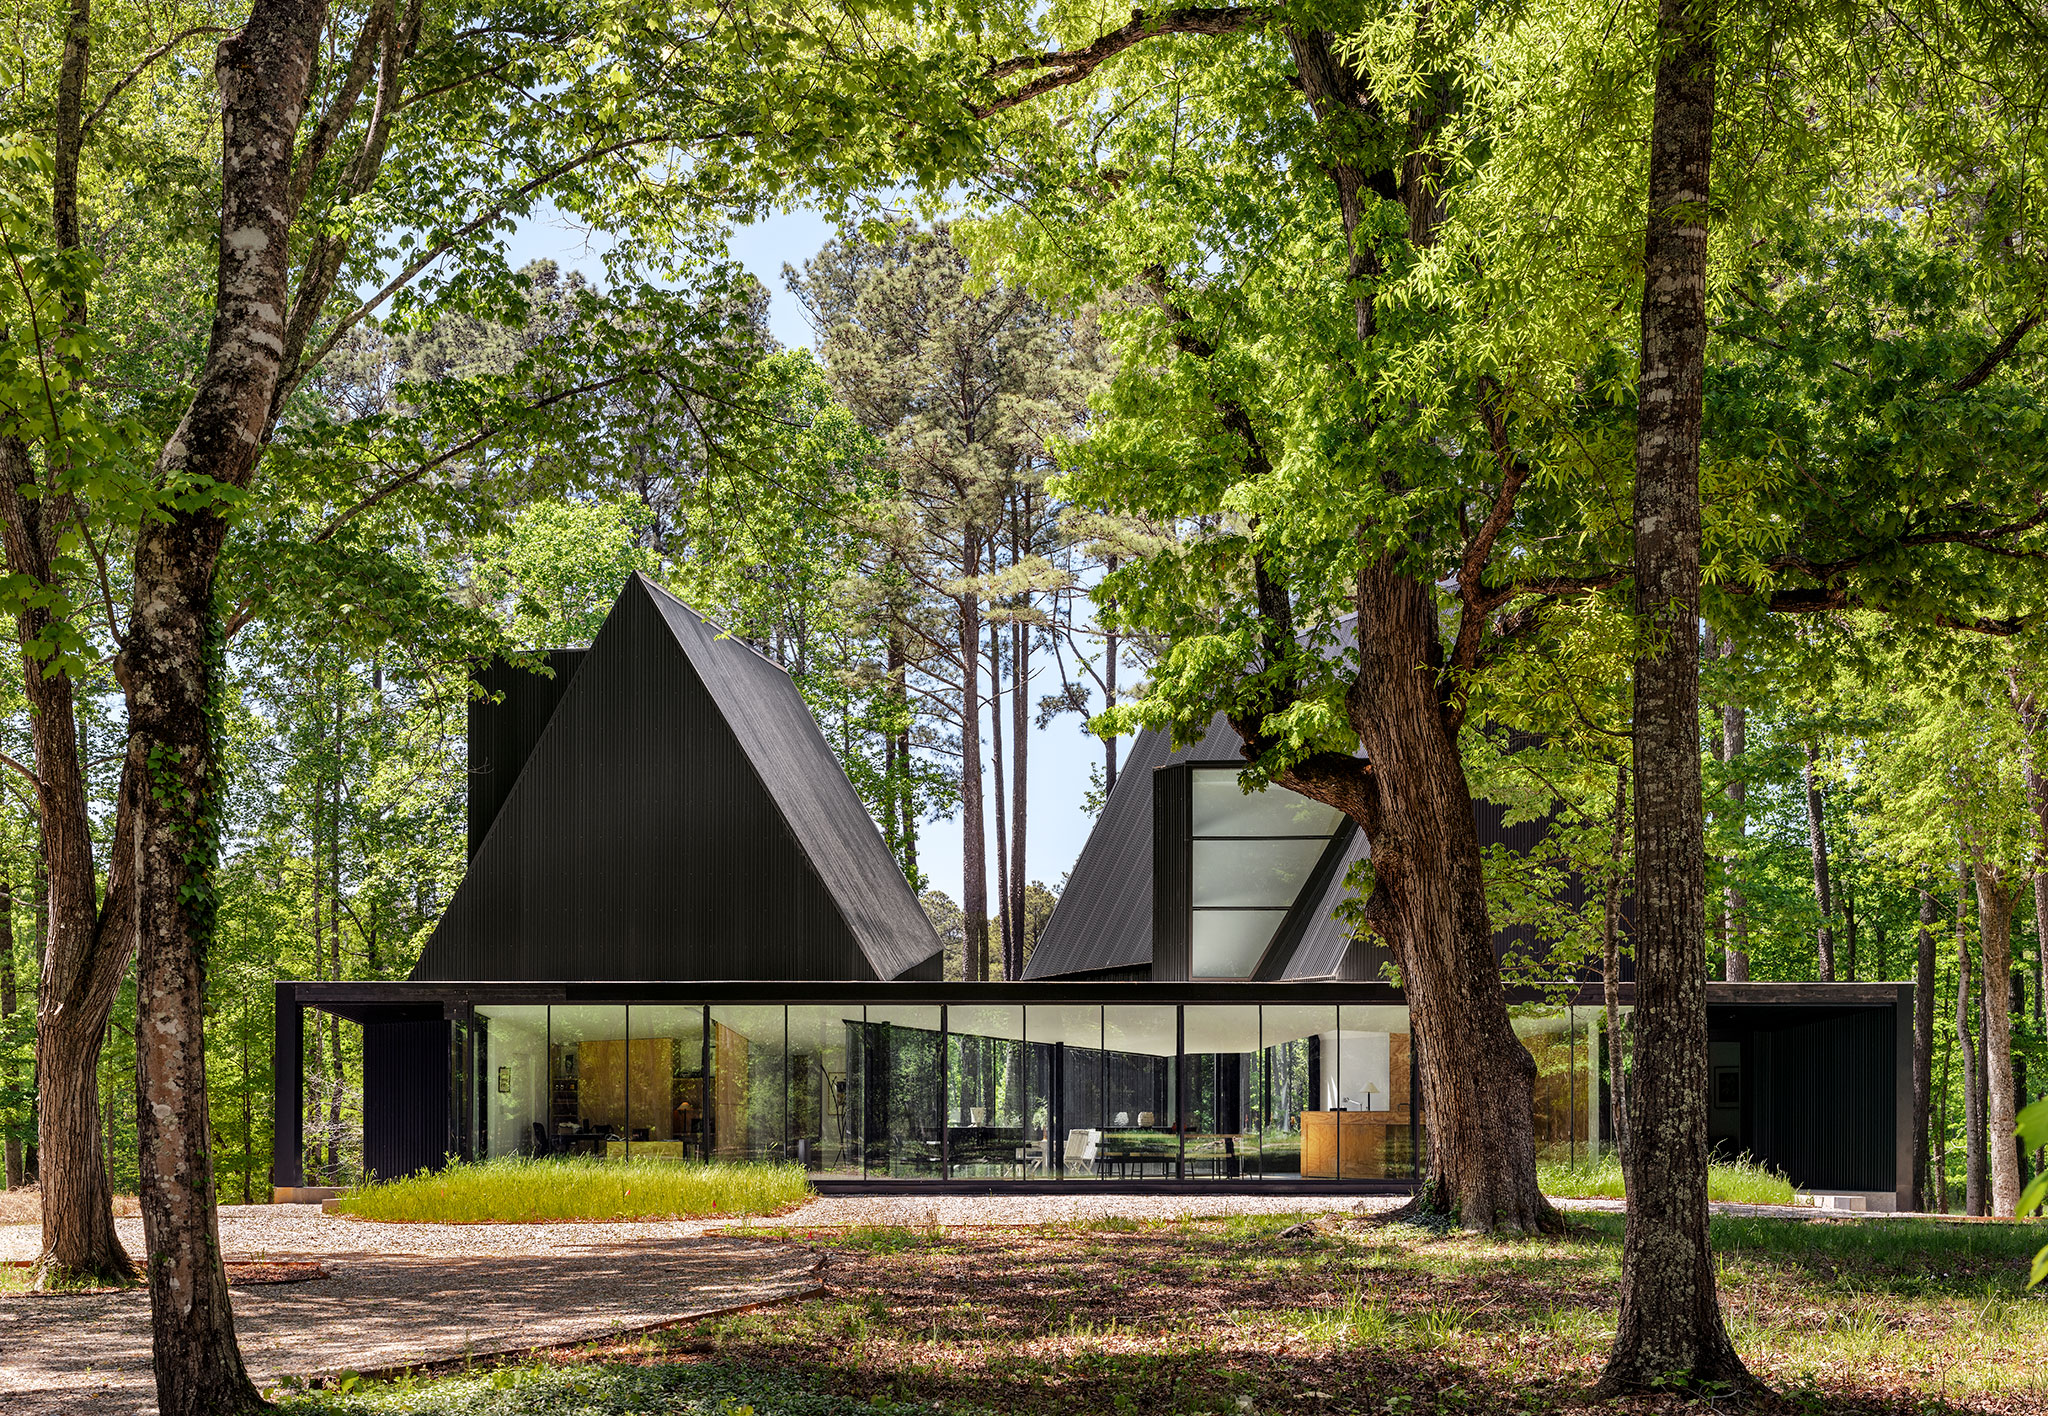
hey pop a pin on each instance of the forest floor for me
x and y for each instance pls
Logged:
(1245, 1316)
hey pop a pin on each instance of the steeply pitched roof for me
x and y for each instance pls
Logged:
(680, 817)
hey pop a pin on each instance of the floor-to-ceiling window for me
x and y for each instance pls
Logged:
(666, 1110)
(511, 1051)
(824, 1048)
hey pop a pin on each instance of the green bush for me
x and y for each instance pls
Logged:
(524, 1191)
(1742, 1182)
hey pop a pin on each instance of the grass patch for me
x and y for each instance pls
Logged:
(526, 1191)
(706, 1389)
(1740, 1182)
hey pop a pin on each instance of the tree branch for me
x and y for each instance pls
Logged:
(140, 65)
(1998, 355)
(1070, 66)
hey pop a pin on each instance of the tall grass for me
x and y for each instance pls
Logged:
(524, 1191)
(1742, 1182)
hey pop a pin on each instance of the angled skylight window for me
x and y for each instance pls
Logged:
(1250, 856)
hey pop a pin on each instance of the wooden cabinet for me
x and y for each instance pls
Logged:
(1353, 1145)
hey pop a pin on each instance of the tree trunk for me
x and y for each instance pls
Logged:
(998, 791)
(1817, 842)
(1973, 1116)
(1994, 915)
(973, 835)
(1429, 898)
(1923, 1052)
(1110, 649)
(85, 947)
(8, 1001)
(1734, 743)
(1020, 781)
(169, 670)
(1948, 1052)
(1610, 968)
(1670, 1322)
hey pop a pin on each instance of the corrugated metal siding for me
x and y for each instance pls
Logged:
(1823, 1102)
(1172, 871)
(1104, 917)
(405, 1097)
(646, 840)
(502, 733)
(1326, 947)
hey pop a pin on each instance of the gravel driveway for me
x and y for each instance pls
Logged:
(395, 1295)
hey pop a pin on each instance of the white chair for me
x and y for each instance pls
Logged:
(1080, 1153)
(1123, 1118)
(1033, 1155)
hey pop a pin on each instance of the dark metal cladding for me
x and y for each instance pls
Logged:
(1819, 1108)
(1314, 942)
(504, 727)
(679, 817)
(405, 1096)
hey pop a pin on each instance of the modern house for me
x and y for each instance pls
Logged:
(680, 936)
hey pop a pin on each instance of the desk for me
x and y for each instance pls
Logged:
(1350, 1145)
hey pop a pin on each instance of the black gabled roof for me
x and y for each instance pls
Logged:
(680, 816)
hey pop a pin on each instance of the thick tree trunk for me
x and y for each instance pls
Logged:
(998, 791)
(973, 834)
(1670, 1322)
(1477, 1078)
(169, 670)
(1966, 1048)
(1923, 1052)
(1817, 842)
(1994, 914)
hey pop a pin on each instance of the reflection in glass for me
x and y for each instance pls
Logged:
(511, 1080)
(902, 1130)
(1246, 873)
(1223, 1122)
(746, 1083)
(665, 1105)
(1229, 943)
(587, 1078)
(988, 1097)
(1549, 1036)
(1064, 1045)
(1140, 1097)
(824, 1130)
(1220, 808)
(1292, 1059)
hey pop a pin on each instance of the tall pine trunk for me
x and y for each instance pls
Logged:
(1670, 1322)
(1994, 915)
(973, 835)
(9, 1000)
(1109, 653)
(998, 791)
(1817, 842)
(1610, 967)
(1923, 1052)
(1020, 785)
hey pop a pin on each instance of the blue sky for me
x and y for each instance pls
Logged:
(1061, 754)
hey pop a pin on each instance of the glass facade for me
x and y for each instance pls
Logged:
(1077, 1092)
(1250, 856)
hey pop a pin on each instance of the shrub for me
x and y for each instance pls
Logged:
(526, 1191)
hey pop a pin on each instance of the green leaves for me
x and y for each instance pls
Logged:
(2033, 1134)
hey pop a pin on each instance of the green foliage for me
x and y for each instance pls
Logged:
(696, 1389)
(2033, 1134)
(1742, 1182)
(522, 1191)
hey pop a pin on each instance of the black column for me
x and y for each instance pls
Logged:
(287, 1095)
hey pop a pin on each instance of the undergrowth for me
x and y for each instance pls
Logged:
(1741, 1182)
(523, 1191)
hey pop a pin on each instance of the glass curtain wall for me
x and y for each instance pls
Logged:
(824, 1130)
(994, 1091)
(511, 1080)
(665, 1105)
(747, 1099)
(587, 1080)
(996, 1120)
(1063, 1042)
(902, 1094)
(1224, 1115)
(1140, 1093)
